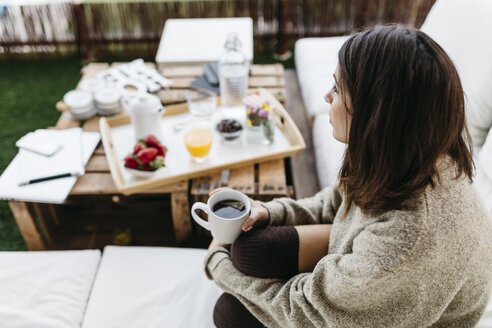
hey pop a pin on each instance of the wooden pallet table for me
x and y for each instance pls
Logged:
(94, 194)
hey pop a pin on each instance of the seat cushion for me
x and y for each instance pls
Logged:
(151, 287)
(45, 289)
(316, 61)
(328, 151)
(483, 176)
(462, 29)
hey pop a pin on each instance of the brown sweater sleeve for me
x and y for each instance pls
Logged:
(321, 208)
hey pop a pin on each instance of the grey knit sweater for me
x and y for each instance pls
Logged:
(427, 264)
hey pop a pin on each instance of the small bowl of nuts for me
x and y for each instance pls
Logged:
(230, 130)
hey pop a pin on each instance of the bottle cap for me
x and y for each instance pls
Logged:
(233, 41)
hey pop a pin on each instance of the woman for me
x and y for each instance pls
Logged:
(402, 240)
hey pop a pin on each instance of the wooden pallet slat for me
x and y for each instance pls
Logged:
(92, 124)
(181, 218)
(271, 178)
(45, 215)
(102, 183)
(24, 218)
(267, 70)
(266, 81)
(182, 82)
(202, 186)
(97, 163)
(180, 71)
(116, 64)
(196, 70)
(254, 82)
(66, 122)
(243, 179)
(99, 150)
(172, 96)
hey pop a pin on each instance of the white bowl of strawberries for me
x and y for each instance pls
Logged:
(147, 157)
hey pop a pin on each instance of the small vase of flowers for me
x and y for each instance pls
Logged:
(259, 118)
(257, 111)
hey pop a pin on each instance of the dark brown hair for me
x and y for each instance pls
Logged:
(407, 108)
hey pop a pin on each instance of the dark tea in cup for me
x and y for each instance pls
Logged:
(229, 208)
(226, 212)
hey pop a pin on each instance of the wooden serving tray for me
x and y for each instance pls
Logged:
(118, 140)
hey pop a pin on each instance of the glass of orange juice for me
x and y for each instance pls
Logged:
(198, 141)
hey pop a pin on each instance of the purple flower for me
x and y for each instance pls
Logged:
(262, 113)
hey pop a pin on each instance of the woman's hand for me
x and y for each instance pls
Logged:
(258, 216)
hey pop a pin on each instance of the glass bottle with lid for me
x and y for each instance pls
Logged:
(233, 73)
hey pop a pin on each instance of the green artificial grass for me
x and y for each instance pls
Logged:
(29, 91)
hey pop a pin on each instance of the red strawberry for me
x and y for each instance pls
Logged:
(139, 163)
(147, 155)
(130, 162)
(138, 147)
(161, 150)
(147, 167)
(157, 163)
(151, 141)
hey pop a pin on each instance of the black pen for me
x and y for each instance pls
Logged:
(52, 177)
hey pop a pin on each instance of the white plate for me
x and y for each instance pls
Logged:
(140, 173)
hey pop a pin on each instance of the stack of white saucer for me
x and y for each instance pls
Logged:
(99, 96)
(108, 101)
(81, 104)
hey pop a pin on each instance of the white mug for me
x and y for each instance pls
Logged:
(224, 230)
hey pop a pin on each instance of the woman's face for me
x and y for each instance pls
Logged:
(340, 118)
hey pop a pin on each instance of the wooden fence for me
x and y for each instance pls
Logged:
(98, 29)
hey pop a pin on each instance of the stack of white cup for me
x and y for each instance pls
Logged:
(108, 101)
(81, 104)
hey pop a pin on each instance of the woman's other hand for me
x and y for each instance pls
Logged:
(258, 217)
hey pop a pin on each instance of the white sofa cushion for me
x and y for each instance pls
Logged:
(151, 287)
(45, 289)
(462, 28)
(483, 177)
(316, 61)
(328, 151)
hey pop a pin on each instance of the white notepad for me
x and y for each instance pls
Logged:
(52, 191)
(67, 160)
